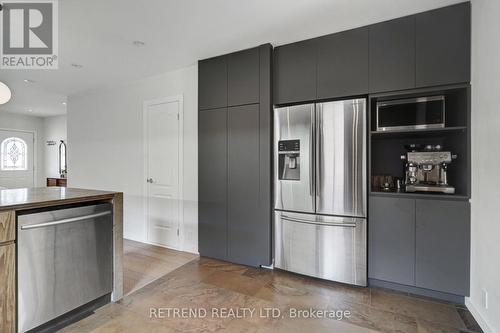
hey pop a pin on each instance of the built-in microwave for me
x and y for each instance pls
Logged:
(411, 113)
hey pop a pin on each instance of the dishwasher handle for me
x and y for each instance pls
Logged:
(65, 221)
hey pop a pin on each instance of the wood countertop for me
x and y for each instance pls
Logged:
(37, 197)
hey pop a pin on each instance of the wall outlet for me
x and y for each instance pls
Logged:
(485, 298)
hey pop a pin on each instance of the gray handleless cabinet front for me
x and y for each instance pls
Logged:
(212, 83)
(243, 77)
(246, 241)
(443, 245)
(212, 183)
(391, 240)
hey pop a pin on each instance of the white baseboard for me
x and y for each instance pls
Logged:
(477, 315)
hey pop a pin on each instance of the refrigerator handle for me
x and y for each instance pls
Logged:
(311, 153)
(317, 161)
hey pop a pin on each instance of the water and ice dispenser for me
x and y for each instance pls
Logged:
(289, 160)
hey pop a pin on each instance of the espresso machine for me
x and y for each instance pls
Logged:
(426, 170)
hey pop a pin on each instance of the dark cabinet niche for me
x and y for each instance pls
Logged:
(212, 83)
(343, 64)
(243, 77)
(443, 41)
(392, 55)
(392, 240)
(295, 72)
(212, 183)
(443, 245)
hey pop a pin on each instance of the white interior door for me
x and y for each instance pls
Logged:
(16, 159)
(163, 175)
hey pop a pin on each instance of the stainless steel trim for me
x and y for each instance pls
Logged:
(286, 218)
(407, 101)
(64, 221)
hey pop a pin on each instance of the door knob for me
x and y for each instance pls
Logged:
(150, 180)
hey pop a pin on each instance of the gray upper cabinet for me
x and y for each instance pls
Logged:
(392, 240)
(343, 64)
(443, 40)
(212, 83)
(295, 72)
(392, 55)
(243, 77)
(443, 245)
(246, 232)
(212, 183)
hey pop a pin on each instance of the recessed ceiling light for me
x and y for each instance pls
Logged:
(138, 43)
(64, 103)
(30, 110)
(28, 81)
(5, 93)
(78, 66)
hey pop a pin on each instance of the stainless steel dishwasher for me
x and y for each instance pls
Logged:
(65, 260)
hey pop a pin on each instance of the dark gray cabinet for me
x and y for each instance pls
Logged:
(343, 64)
(443, 40)
(212, 83)
(245, 230)
(443, 245)
(392, 55)
(295, 72)
(422, 243)
(392, 240)
(243, 77)
(212, 183)
(235, 162)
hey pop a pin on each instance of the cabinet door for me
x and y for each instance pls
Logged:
(246, 244)
(8, 288)
(443, 46)
(243, 77)
(343, 64)
(392, 55)
(295, 72)
(212, 83)
(212, 183)
(443, 245)
(391, 240)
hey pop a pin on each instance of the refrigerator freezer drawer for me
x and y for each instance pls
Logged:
(327, 247)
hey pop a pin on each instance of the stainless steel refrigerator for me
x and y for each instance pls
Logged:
(321, 190)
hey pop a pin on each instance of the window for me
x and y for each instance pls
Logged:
(14, 154)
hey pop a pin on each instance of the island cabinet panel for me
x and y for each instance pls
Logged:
(212, 83)
(443, 40)
(392, 55)
(246, 231)
(212, 183)
(392, 240)
(443, 245)
(295, 72)
(8, 288)
(243, 77)
(7, 226)
(343, 64)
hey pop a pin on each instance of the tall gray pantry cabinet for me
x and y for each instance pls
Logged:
(234, 156)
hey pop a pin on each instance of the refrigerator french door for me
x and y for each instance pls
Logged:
(320, 190)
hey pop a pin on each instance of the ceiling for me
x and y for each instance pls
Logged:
(99, 35)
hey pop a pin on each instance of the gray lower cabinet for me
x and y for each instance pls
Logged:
(212, 183)
(343, 64)
(295, 72)
(443, 245)
(212, 83)
(443, 40)
(392, 240)
(246, 232)
(392, 55)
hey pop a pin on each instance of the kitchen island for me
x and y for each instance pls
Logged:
(51, 209)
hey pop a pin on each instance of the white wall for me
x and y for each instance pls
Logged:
(28, 123)
(55, 130)
(485, 265)
(105, 145)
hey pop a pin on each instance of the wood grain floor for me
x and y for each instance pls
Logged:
(144, 263)
(210, 284)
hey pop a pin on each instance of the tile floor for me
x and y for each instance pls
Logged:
(206, 284)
